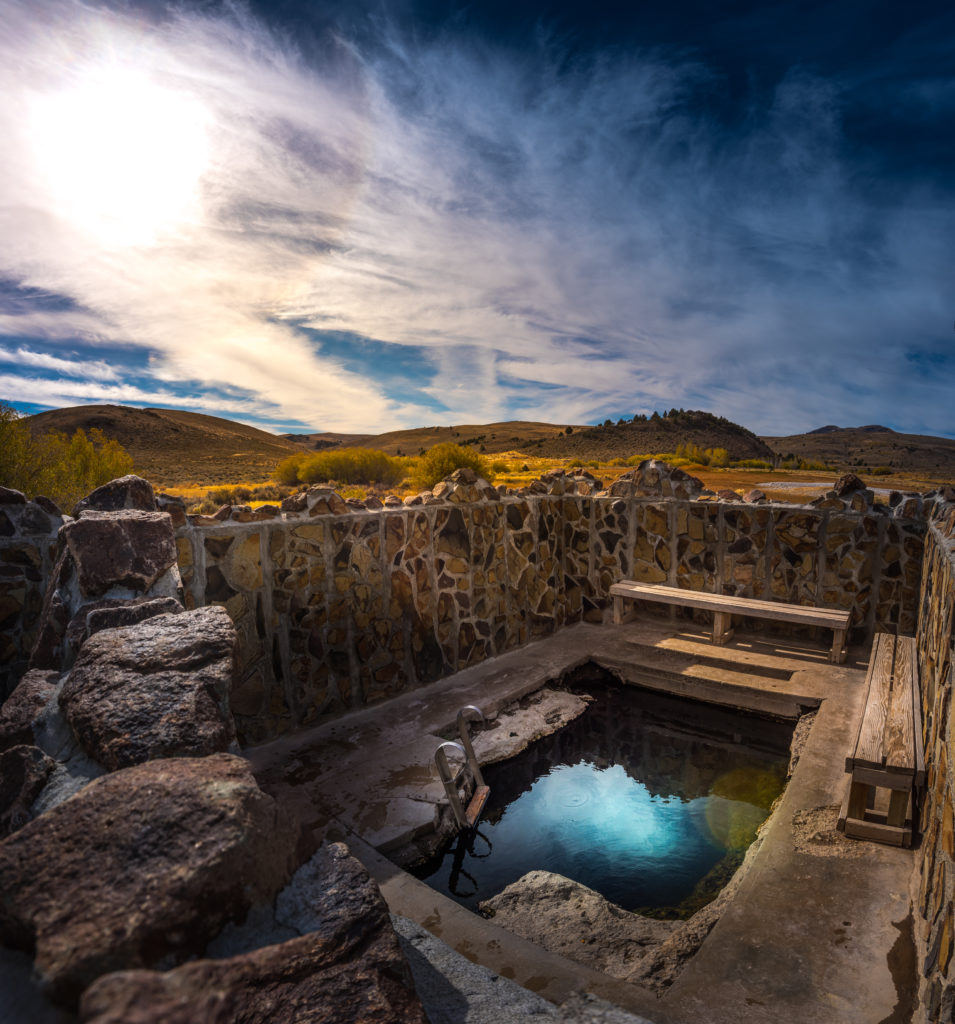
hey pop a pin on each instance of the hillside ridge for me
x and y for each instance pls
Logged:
(174, 447)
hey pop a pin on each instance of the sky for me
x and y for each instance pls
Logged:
(363, 216)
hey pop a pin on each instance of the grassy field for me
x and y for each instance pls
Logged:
(516, 469)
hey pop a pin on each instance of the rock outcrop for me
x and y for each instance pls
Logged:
(558, 913)
(22, 708)
(23, 773)
(152, 690)
(345, 965)
(140, 865)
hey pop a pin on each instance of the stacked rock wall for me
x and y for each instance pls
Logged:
(337, 608)
(935, 925)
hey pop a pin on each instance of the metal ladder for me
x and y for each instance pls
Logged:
(465, 819)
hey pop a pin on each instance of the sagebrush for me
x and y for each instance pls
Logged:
(62, 468)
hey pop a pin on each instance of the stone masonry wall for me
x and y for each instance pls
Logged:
(336, 608)
(935, 927)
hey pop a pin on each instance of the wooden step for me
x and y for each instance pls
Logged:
(476, 806)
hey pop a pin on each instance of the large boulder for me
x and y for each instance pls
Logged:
(23, 774)
(112, 612)
(156, 689)
(141, 865)
(558, 913)
(347, 966)
(22, 708)
(128, 548)
(123, 492)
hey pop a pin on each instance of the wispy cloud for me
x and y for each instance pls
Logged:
(95, 369)
(565, 242)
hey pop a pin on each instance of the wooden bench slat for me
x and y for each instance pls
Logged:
(868, 751)
(899, 743)
(780, 611)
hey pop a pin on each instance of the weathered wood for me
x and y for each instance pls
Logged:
(858, 794)
(888, 834)
(869, 744)
(910, 661)
(778, 610)
(722, 627)
(838, 654)
(898, 805)
(887, 759)
(882, 778)
(476, 806)
(899, 743)
(844, 809)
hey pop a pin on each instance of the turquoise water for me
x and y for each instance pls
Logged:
(649, 800)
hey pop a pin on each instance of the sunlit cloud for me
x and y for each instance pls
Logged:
(566, 242)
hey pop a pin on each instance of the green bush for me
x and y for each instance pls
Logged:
(752, 464)
(346, 466)
(443, 459)
(881, 470)
(499, 466)
(60, 467)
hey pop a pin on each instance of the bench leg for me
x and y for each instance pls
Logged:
(898, 805)
(722, 629)
(617, 610)
(858, 797)
(838, 655)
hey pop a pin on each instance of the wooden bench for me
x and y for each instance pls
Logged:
(887, 764)
(724, 606)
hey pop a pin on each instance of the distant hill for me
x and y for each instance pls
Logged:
(612, 440)
(172, 447)
(663, 434)
(510, 435)
(871, 446)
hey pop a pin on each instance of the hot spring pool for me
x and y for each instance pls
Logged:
(651, 800)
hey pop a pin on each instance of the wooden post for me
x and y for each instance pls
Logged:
(722, 631)
(838, 655)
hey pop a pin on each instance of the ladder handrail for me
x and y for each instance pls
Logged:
(450, 786)
(464, 733)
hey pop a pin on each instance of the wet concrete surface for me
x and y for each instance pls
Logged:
(816, 931)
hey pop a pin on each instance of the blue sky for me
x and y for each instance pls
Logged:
(365, 216)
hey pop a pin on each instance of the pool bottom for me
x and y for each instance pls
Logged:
(648, 799)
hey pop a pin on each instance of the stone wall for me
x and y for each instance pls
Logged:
(28, 531)
(935, 927)
(337, 608)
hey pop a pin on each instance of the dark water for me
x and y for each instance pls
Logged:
(648, 799)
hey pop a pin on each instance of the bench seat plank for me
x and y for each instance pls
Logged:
(868, 751)
(780, 611)
(899, 744)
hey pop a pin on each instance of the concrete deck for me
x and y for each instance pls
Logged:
(819, 929)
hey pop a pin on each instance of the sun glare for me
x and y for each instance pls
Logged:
(122, 155)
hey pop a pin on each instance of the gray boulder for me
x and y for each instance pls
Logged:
(23, 774)
(128, 548)
(22, 708)
(123, 492)
(156, 689)
(138, 866)
(348, 966)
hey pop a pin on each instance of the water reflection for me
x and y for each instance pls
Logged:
(640, 798)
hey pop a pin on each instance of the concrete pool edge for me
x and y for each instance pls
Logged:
(731, 975)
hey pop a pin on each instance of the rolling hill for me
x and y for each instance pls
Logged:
(871, 446)
(612, 440)
(172, 447)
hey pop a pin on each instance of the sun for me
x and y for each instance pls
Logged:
(121, 155)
